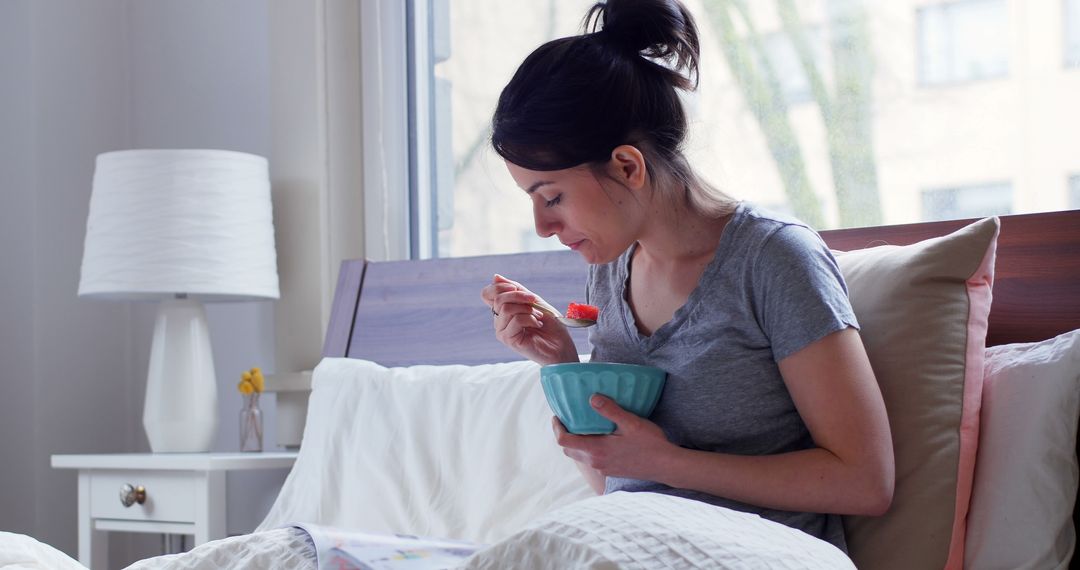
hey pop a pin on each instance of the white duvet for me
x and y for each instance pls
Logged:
(278, 549)
(466, 453)
(644, 531)
(21, 552)
(621, 531)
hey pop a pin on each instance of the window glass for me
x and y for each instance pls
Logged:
(976, 201)
(870, 145)
(963, 41)
(1072, 32)
(1074, 192)
(780, 52)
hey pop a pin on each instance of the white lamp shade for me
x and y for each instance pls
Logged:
(168, 222)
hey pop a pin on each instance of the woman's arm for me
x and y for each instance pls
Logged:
(851, 471)
(594, 478)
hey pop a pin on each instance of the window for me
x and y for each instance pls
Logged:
(977, 201)
(878, 149)
(963, 41)
(1072, 32)
(1074, 192)
(466, 203)
(781, 54)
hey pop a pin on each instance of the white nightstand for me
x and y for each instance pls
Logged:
(184, 493)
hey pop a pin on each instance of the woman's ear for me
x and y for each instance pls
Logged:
(628, 166)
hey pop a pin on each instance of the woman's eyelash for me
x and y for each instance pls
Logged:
(553, 201)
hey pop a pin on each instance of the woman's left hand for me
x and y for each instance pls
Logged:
(636, 449)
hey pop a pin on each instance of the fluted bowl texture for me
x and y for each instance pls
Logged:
(569, 386)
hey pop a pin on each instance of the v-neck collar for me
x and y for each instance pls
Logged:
(662, 334)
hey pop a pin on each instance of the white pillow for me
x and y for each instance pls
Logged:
(1026, 471)
(461, 452)
(630, 531)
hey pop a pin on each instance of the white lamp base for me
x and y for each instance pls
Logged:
(180, 411)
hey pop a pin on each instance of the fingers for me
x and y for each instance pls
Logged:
(580, 448)
(499, 284)
(607, 407)
(515, 306)
(565, 439)
(512, 306)
(557, 426)
(523, 327)
(507, 284)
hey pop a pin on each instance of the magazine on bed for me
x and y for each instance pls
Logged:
(344, 549)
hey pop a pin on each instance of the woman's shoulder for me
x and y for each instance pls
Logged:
(762, 228)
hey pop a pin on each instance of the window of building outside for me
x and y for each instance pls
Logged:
(961, 41)
(975, 201)
(873, 145)
(1072, 32)
(1074, 192)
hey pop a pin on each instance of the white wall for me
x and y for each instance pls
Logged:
(65, 370)
(199, 78)
(78, 79)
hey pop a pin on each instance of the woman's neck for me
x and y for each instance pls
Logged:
(680, 235)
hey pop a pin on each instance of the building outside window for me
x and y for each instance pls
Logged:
(962, 41)
(975, 201)
(782, 55)
(1071, 9)
(872, 146)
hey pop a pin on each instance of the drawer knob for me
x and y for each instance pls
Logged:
(130, 495)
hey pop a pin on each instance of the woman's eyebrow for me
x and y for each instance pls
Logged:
(536, 185)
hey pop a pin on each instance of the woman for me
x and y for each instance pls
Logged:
(771, 405)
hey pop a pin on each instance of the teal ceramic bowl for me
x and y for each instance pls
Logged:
(569, 386)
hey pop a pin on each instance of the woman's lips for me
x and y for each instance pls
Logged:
(574, 245)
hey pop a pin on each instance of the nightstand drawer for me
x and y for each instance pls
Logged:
(170, 496)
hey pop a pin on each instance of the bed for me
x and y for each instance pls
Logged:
(983, 396)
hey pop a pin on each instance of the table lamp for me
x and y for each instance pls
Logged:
(180, 227)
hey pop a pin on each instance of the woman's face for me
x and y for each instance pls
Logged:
(572, 205)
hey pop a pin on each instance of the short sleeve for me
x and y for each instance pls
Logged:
(799, 293)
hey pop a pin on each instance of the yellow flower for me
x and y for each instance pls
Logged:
(257, 379)
(245, 387)
(246, 376)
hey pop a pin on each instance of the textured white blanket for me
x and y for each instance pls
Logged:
(644, 531)
(621, 531)
(21, 552)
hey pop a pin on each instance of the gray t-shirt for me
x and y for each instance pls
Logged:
(772, 288)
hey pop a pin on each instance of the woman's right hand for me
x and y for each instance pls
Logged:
(524, 328)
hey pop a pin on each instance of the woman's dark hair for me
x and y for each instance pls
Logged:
(573, 100)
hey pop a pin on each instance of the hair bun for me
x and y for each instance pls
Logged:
(656, 29)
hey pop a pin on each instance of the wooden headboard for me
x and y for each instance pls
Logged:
(429, 312)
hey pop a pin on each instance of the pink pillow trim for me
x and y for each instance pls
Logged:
(979, 291)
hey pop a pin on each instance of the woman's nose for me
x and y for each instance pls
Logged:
(546, 224)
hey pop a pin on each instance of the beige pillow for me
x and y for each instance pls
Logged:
(923, 310)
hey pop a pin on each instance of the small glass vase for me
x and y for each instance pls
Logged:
(251, 425)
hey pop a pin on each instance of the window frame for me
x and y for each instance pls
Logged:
(386, 139)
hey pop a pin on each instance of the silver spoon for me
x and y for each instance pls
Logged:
(566, 321)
